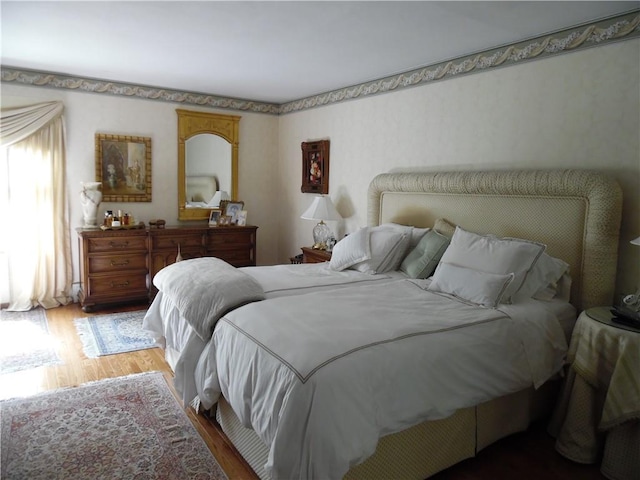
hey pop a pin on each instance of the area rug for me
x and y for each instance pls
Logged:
(25, 341)
(127, 427)
(113, 333)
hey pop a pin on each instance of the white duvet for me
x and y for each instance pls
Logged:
(193, 294)
(321, 377)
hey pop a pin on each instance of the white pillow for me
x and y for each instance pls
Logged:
(387, 251)
(393, 260)
(560, 290)
(544, 275)
(350, 250)
(415, 232)
(490, 254)
(480, 288)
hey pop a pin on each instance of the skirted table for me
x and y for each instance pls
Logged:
(598, 413)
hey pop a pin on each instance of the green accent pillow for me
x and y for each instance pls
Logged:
(424, 258)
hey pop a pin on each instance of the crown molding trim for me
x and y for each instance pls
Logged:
(615, 29)
(622, 27)
(90, 85)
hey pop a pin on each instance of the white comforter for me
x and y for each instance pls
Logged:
(287, 280)
(194, 293)
(321, 377)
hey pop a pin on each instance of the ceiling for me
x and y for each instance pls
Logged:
(269, 51)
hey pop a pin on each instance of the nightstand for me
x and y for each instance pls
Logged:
(598, 413)
(310, 255)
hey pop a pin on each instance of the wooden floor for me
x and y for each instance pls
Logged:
(529, 455)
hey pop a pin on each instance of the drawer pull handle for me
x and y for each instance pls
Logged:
(125, 284)
(119, 245)
(121, 264)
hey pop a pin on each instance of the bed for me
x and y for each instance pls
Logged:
(574, 213)
(192, 294)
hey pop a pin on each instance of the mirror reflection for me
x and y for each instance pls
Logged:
(208, 170)
(207, 162)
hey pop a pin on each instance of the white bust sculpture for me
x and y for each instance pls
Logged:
(90, 198)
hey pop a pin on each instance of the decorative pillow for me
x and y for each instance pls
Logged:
(392, 261)
(482, 288)
(561, 290)
(350, 250)
(490, 254)
(544, 275)
(424, 258)
(387, 250)
(444, 227)
(415, 232)
(396, 227)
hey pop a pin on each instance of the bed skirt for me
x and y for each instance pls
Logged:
(402, 455)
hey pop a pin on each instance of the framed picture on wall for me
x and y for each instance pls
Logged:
(123, 165)
(315, 167)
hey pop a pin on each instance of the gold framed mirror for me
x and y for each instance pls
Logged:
(207, 162)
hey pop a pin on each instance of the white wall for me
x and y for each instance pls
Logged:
(578, 110)
(87, 114)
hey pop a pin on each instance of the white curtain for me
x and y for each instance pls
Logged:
(36, 223)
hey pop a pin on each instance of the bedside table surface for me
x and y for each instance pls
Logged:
(604, 315)
(312, 255)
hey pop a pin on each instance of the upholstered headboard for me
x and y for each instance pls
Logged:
(576, 213)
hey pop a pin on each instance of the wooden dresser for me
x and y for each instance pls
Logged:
(234, 245)
(118, 266)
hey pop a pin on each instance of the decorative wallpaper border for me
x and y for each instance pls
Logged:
(614, 29)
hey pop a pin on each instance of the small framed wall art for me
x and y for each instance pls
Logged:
(315, 167)
(123, 165)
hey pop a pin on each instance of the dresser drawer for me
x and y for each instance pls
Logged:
(172, 241)
(117, 263)
(230, 239)
(114, 244)
(117, 285)
(237, 258)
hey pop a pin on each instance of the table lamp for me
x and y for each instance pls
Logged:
(321, 209)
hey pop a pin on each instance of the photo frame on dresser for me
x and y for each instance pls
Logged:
(315, 167)
(241, 218)
(214, 217)
(123, 166)
(231, 210)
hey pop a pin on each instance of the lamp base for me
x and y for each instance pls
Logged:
(321, 235)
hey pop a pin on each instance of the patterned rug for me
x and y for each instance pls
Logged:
(113, 333)
(128, 427)
(25, 341)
